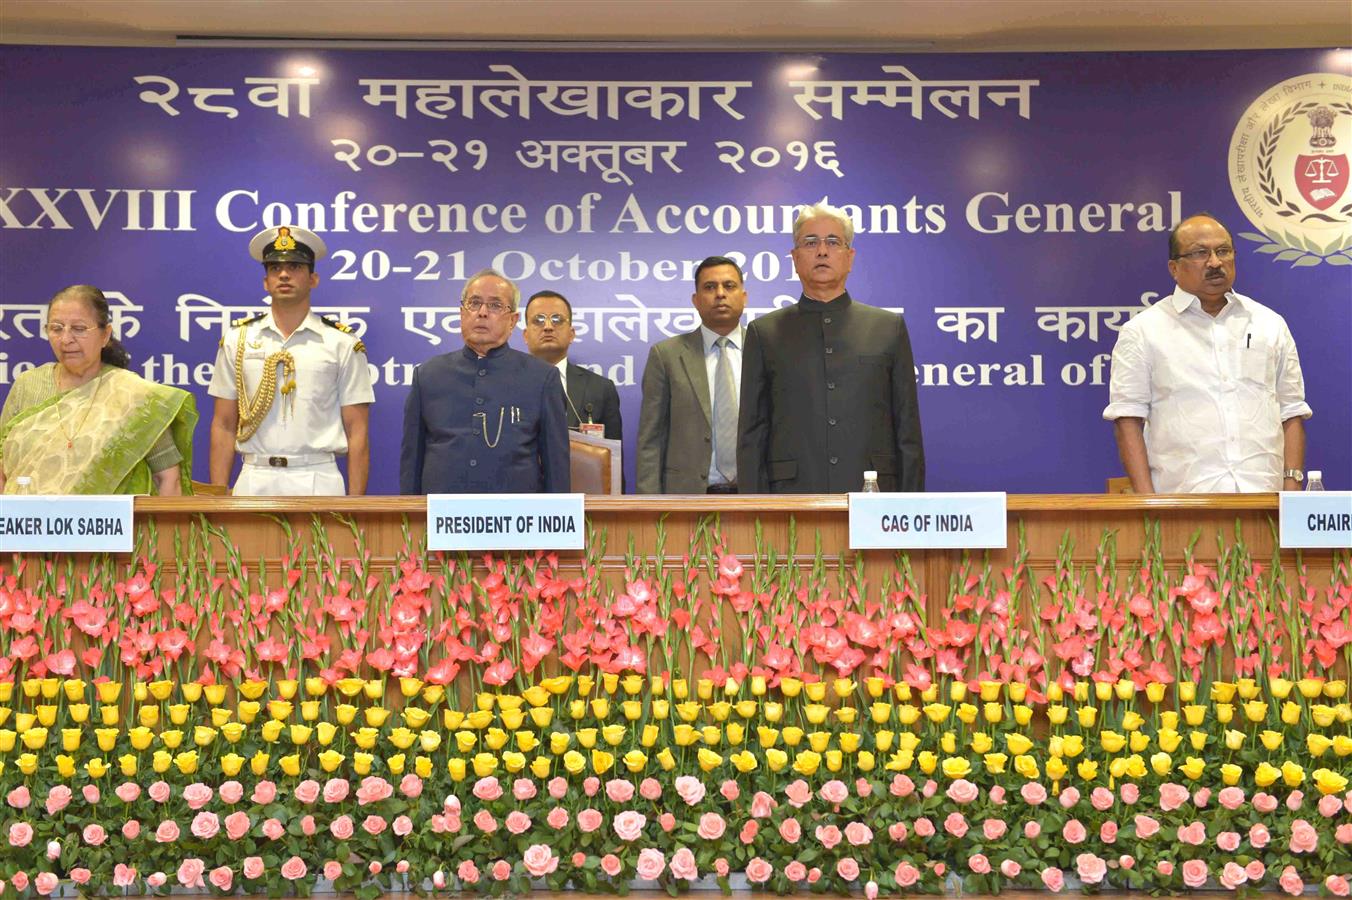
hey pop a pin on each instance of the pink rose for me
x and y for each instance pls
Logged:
(252, 867)
(341, 827)
(336, 790)
(650, 789)
(375, 867)
(46, 882)
(962, 791)
(131, 829)
(190, 872)
(486, 788)
(588, 820)
(501, 870)
(123, 875)
(1101, 799)
(1127, 861)
(1069, 797)
(1173, 796)
(689, 789)
(863, 787)
(897, 831)
(1264, 802)
(1090, 868)
(834, 791)
(156, 879)
(1165, 868)
(1330, 806)
(930, 789)
(1146, 827)
(94, 835)
(539, 860)
(924, 827)
(683, 865)
(956, 824)
(53, 850)
(730, 790)
(762, 805)
(758, 871)
(264, 793)
(205, 825)
(222, 878)
(1073, 831)
(619, 790)
(1337, 885)
(403, 826)
(1290, 881)
(127, 792)
(828, 835)
(19, 880)
(901, 786)
(467, 872)
(1294, 800)
(307, 791)
(58, 798)
(611, 865)
(1304, 838)
(1108, 832)
(91, 794)
(308, 826)
(1010, 868)
(1259, 835)
(1193, 833)
(374, 789)
(557, 818)
(167, 832)
(523, 789)
(1228, 841)
(517, 822)
(906, 874)
(993, 829)
(1194, 873)
(749, 831)
(814, 875)
(1343, 833)
(847, 868)
(711, 826)
(1201, 797)
(237, 825)
(81, 875)
(579, 859)
(978, 863)
(557, 787)
(798, 792)
(628, 825)
(373, 825)
(651, 864)
(411, 786)
(1233, 875)
(1129, 793)
(1255, 870)
(19, 798)
(1031, 829)
(333, 870)
(273, 829)
(1231, 797)
(484, 821)
(591, 785)
(858, 834)
(997, 795)
(795, 871)
(1033, 793)
(197, 795)
(790, 830)
(1053, 879)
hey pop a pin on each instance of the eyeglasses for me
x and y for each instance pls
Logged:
(1224, 254)
(494, 307)
(812, 242)
(79, 330)
(557, 320)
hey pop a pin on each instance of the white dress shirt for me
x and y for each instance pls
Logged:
(1213, 391)
(735, 341)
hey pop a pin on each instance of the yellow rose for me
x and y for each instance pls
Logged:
(1057, 714)
(1163, 764)
(96, 768)
(684, 735)
(1234, 740)
(807, 763)
(330, 760)
(1222, 691)
(1023, 714)
(937, 712)
(574, 762)
(1231, 773)
(1342, 744)
(1087, 769)
(948, 742)
(1224, 713)
(613, 734)
(1271, 739)
(956, 767)
(928, 762)
(231, 764)
(494, 738)
(258, 763)
(744, 761)
(1266, 774)
(1292, 774)
(967, 713)
(1132, 720)
(1026, 766)
(1154, 691)
(1017, 744)
(1056, 769)
(981, 743)
(1111, 741)
(457, 768)
(1329, 782)
(995, 763)
(484, 764)
(708, 759)
(290, 764)
(602, 761)
(1255, 710)
(792, 734)
(720, 710)
(1169, 740)
(776, 760)
(865, 761)
(160, 761)
(65, 765)
(1193, 768)
(1087, 715)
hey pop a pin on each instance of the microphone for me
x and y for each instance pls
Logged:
(590, 409)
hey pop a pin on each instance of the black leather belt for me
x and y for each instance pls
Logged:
(722, 489)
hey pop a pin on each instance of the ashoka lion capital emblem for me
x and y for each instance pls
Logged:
(1289, 170)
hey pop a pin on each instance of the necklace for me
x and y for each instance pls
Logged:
(89, 408)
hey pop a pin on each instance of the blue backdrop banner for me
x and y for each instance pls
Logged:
(1014, 206)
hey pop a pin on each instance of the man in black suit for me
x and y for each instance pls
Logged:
(592, 398)
(828, 385)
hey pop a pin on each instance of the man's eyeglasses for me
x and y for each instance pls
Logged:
(79, 330)
(812, 242)
(558, 320)
(1224, 254)
(494, 307)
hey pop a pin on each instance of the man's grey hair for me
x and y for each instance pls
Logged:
(823, 209)
(485, 273)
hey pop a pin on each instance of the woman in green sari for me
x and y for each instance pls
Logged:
(85, 424)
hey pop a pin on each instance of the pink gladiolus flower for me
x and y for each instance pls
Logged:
(758, 871)
(540, 860)
(611, 865)
(711, 826)
(1194, 873)
(683, 865)
(1304, 839)
(651, 864)
(1053, 879)
(1090, 868)
(962, 791)
(628, 825)
(847, 868)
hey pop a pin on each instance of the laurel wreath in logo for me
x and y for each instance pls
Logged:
(1286, 246)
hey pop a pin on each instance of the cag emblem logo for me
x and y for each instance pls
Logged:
(1289, 170)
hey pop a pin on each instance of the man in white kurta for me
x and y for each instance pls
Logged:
(1206, 392)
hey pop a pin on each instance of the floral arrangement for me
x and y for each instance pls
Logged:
(494, 725)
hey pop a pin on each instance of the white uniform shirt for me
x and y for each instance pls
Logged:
(330, 374)
(1213, 392)
(736, 338)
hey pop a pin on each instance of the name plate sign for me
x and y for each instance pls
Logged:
(505, 522)
(928, 521)
(83, 524)
(1315, 519)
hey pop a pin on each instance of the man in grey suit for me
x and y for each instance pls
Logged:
(828, 385)
(591, 398)
(687, 428)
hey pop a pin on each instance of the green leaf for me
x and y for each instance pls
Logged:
(1339, 261)
(1306, 262)
(1289, 254)
(1270, 248)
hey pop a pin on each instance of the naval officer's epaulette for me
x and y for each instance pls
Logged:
(345, 329)
(240, 323)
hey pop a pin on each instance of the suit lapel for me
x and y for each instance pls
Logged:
(692, 358)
